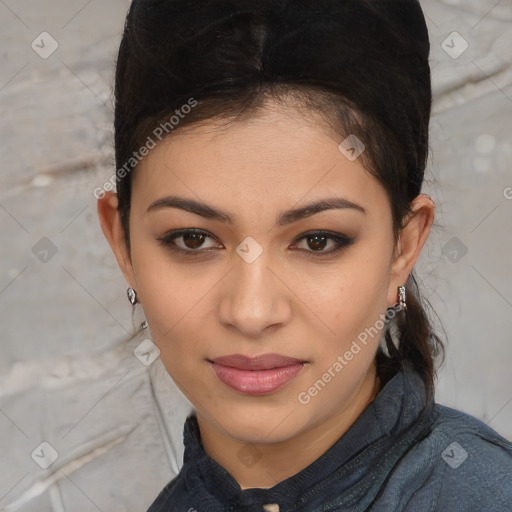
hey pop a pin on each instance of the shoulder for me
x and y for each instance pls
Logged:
(481, 443)
(461, 464)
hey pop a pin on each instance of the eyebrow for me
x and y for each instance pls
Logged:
(286, 217)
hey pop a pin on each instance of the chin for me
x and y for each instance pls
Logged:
(260, 425)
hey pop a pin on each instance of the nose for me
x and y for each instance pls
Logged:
(255, 298)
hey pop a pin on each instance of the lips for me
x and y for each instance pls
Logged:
(257, 375)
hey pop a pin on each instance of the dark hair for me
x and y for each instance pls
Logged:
(360, 65)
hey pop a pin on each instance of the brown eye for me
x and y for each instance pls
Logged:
(192, 241)
(317, 241)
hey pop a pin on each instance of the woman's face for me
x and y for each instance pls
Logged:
(262, 280)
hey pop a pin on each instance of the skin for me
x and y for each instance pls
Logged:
(311, 308)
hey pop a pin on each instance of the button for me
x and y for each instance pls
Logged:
(271, 507)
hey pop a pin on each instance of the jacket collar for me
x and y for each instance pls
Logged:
(387, 428)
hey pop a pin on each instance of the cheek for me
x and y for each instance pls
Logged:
(166, 290)
(166, 294)
(355, 300)
(358, 289)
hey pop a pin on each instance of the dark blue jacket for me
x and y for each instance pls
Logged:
(403, 454)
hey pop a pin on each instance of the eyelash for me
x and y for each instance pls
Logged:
(342, 242)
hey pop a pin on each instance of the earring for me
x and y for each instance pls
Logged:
(132, 296)
(401, 298)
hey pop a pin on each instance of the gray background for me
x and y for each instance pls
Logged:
(68, 374)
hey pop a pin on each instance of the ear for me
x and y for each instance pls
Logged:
(110, 220)
(412, 238)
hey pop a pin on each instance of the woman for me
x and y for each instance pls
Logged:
(270, 157)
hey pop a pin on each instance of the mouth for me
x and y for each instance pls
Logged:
(257, 375)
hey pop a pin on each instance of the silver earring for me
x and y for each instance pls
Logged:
(132, 296)
(401, 298)
(401, 305)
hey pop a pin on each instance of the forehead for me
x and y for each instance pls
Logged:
(278, 155)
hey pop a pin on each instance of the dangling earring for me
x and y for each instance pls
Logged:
(401, 298)
(401, 305)
(132, 296)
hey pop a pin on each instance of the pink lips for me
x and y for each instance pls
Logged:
(258, 375)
